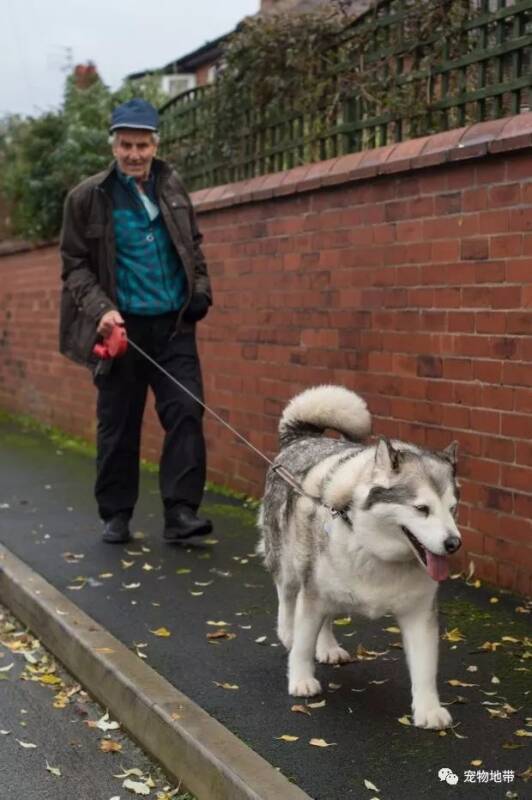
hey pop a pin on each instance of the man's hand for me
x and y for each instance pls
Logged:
(197, 308)
(108, 322)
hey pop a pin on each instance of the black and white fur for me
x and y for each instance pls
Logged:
(399, 503)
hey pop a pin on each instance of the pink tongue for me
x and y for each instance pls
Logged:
(437, 566)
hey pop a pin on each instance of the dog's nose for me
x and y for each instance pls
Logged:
(452, 543)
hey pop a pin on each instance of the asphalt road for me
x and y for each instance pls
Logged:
(50, 749)
(47, 518)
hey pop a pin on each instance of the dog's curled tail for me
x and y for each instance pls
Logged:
(322, 407)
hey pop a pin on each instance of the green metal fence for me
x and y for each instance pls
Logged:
(485, 72)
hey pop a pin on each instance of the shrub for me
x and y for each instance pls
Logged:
(42, 158)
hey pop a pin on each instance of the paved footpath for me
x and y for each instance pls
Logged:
(141, 592)
(54, 739)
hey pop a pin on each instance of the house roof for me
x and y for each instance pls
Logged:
(211, 51)
(206, 54)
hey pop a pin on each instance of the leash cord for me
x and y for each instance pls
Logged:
(202, 404)
(279, 469)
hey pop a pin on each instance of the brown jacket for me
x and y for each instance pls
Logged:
(88, 254)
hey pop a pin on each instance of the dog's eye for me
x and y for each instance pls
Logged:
(454, 510)
(425, 510)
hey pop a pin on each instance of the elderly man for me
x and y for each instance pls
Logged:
(132, 256)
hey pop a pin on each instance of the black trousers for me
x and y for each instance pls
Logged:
(122, 392)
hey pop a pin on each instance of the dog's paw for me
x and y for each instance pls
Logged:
(305, 687)
(434, 717)
(332, 655)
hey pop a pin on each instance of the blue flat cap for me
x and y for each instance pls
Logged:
(136, 113)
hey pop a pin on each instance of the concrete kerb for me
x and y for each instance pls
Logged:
(190, 745)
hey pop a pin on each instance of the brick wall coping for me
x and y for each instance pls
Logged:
(10, 247)
(473, 141)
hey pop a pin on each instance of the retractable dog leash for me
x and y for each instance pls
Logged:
(115, 346)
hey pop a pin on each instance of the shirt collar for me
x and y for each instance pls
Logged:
(129, 180)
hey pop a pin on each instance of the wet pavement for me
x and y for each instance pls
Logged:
(165, 602)
(56, 743)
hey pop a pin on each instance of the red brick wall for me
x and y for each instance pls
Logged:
(412, 286)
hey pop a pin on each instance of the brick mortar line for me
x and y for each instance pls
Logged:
(191, 746)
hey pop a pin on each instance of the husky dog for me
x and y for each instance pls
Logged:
(370, 535)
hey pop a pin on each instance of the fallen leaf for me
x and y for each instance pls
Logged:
(110, 746)
(455, 682)
(50, 680)
(368, 655)
(54, 770)
(495, 679)
(104, 725)
(404, 720)
(497, 713)
(520, 732)
(9, 666)
(458, 735)
(221, 634)
(73, 558)
(318, 704)
(27, 745)
(219, 624)
(343, 621)
(321, 743)
(136, 786)
(127, 772)
(261, 640)
(476, 763)
(392, 629)
(301, 710)
(454, 635)
(131, 585)
(183, 571)
(494, 599)
(491, 646)
(287, 738)
(472, 668)
(164, 632)
(370, 785)
(226, 685)
(526, 775)
(147, 567)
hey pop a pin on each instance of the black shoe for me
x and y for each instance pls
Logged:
(116, 530)
(184, 524)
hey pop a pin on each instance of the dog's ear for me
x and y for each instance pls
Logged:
(387, 460)
(451, 453)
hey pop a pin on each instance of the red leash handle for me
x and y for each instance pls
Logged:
(113, 346)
